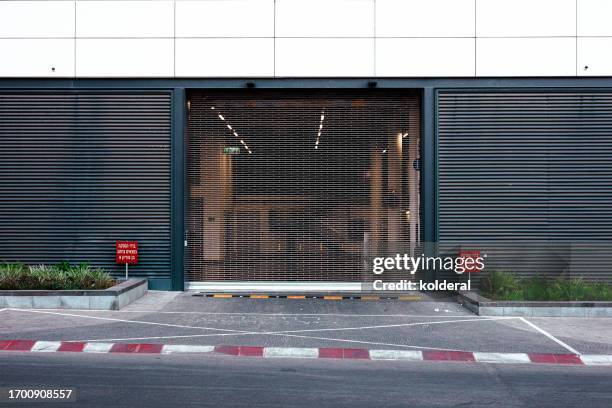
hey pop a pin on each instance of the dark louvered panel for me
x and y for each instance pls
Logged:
(300, 186)
(529, 170)
(81, 170)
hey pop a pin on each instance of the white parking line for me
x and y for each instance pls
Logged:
(265, 314)
(550, 336)
(287, 332)
(365, 342)
(134, 321)
(388, 325)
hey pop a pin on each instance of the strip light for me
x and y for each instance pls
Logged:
(233, 131)
(320, 128)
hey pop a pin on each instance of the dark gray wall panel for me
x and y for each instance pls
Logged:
(81, 170)
(520, 167)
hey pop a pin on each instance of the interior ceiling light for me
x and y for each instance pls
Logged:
(320, 128)
(234, 132)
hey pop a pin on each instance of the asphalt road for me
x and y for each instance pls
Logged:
(165, 380)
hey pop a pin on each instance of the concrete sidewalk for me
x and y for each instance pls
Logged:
(429, 325)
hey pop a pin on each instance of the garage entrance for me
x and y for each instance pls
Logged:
(300, 186)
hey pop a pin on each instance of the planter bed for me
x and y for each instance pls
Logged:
(483, 306)
(113, 298)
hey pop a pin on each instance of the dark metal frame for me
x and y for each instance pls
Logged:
(179, 86)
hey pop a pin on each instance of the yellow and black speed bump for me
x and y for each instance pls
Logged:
(364, 297)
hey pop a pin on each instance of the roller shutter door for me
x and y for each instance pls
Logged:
(526, 171)
(81, 170)
(299, 186)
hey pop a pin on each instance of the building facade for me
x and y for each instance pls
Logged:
(283, 143)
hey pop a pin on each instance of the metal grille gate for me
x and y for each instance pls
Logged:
(79, 170)
(299, 186)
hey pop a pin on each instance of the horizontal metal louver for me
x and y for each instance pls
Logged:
(299, 185)
(529, 175)
(79, 170)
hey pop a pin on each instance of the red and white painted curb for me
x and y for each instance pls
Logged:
(294, 352)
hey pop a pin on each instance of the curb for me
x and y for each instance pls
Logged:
(294, 352)
(297, 296)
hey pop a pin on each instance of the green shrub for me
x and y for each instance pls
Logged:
(502, 284)
(62, 276)
(507, 286)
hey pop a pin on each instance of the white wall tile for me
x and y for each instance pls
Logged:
(305, 57)
(595, 53)
(124, 57)
(103, 19)
(425, 18)
(36, 57)
(36, 19)
(525, 57)
(396, 57)
(518, 18)
(225, 18)
(324, 18)
(224, 57)
(594, 18)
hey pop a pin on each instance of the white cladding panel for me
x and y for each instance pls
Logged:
(224, 57)
(526, 57)
(525, 18)
(425, 18)
(325, 18)
(594, 18)
(304, 38)
(317, 57)
(36, 58)
(139, 19)
(124, 57)
(591, 61)
(421, 57)
(27, 19)
(225, 18)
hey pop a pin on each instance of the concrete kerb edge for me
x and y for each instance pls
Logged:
(113, 298)
(301, 353)
(482, 306)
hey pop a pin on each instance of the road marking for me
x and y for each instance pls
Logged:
(265, 314)
(550, 336)
(330, 297)
(135, 321)
(259, 296)
(221, 295)
(389, 325)
(295, 297)
(363, 342)
(179, 336)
